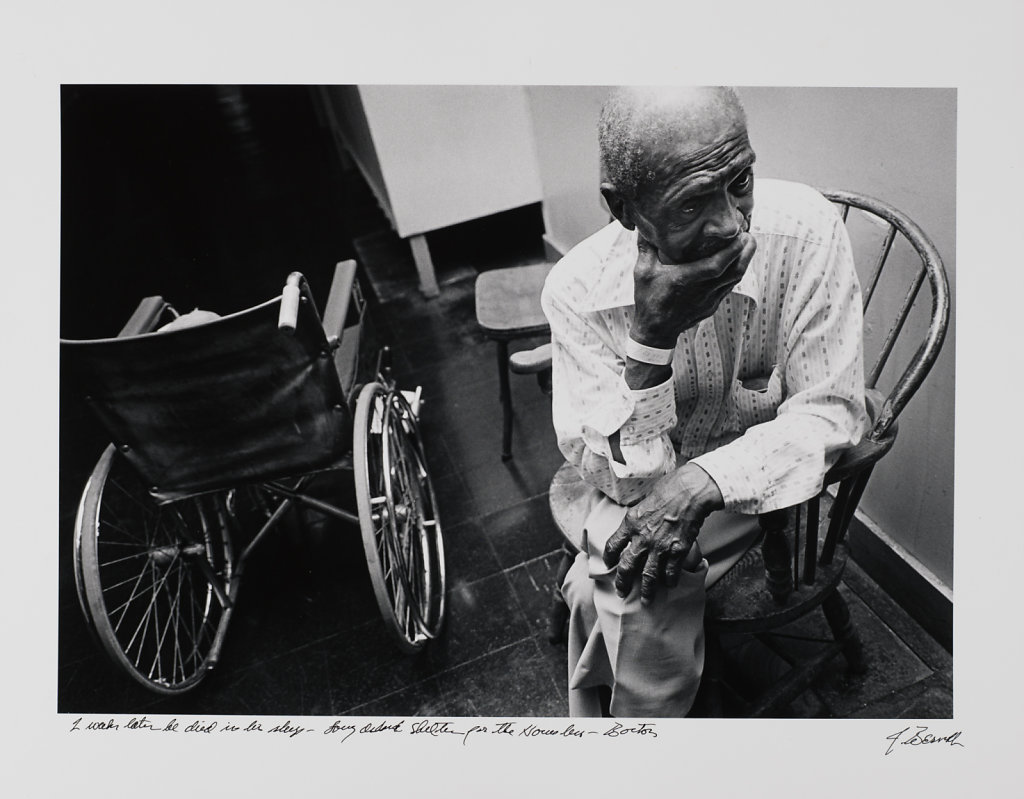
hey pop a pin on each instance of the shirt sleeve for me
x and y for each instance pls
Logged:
(591, 401)
(783, 461)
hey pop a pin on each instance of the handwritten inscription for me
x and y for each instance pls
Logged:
(348, 730)
(920, 736)
(342, 730)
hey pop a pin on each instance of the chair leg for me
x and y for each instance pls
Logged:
(811, 553)
(776, 554)
(506, 400)
(711, 682)
(837, 614)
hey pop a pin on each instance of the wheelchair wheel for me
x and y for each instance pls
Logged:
(153, 580)
(398, 517)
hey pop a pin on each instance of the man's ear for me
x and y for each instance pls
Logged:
(621, 209)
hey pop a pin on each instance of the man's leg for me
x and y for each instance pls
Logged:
(588, 660)
(651, 656)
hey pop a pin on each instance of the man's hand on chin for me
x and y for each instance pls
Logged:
(657, 533)
(671, 298)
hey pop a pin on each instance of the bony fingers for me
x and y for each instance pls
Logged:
(676, 553)
(722, 260)
(632, 559)
(649, 581)
(615, 545)
(657, 561)
(623, 581)
(673, 570)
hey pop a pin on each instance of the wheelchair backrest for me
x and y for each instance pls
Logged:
(231, 401)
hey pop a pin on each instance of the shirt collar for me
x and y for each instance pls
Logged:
(613, 284)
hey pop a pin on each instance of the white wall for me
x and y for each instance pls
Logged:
(896, 144)
(565, 128)
(451, 153)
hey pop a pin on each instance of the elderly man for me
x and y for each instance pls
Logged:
(707, 367)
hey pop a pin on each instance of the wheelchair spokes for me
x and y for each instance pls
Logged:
(401, 534)
(154, 580)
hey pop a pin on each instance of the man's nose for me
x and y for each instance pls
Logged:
(724, 220)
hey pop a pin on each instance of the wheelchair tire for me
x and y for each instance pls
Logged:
(398, 517)
(154, 580)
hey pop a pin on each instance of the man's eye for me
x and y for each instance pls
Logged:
(743, 183)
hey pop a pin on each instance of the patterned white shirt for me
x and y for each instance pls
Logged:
(795, 318)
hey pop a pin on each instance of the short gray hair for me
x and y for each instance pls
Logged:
(633, 119)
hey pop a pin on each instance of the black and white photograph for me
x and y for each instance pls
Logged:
(476, 403)
(403, 469)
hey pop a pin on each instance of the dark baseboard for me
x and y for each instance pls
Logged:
(904, 578)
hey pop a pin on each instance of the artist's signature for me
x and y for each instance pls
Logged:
(920, 736)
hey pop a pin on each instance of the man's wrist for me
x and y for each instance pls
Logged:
(639, 375)
(659, 356)
(703, 488)
(652, 338)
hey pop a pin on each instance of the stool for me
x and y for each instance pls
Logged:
(508, 308)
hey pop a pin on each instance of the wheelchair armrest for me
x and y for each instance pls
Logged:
(339, 298)
(145, 317)
(529, 362)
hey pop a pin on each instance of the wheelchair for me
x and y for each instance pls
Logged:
(218, 429)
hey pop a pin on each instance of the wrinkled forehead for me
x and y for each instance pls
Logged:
(697, 161)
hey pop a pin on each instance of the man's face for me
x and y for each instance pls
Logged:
(701, 198)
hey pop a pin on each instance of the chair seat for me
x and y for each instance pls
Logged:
(741, 603)
(508, 301)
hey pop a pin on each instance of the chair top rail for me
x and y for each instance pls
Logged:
(923, 360)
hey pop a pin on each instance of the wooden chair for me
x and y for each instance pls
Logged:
(508, 308)
(801, 558)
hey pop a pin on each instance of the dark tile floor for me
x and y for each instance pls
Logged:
(306, 637)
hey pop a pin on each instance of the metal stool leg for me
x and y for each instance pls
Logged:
(506, 400)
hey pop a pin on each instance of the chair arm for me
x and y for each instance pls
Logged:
(529, 362)
(867, 451)
(145, 317)
(856, 458)
(338, 299)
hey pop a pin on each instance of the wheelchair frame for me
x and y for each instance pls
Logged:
(155, 569)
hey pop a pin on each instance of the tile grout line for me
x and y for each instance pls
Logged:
(437, 676)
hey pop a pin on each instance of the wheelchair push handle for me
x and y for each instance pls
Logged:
(295, 286)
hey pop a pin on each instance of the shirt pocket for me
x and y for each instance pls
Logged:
(754, 401)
